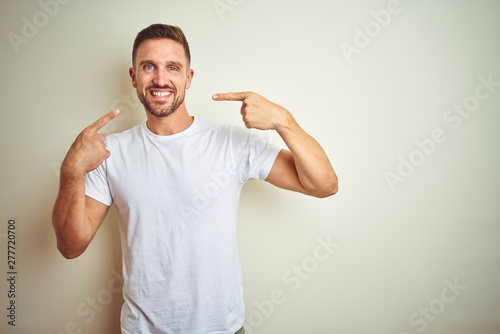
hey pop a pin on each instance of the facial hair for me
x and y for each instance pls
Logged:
(161, 109)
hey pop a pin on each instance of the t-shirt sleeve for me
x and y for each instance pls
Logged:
(257, 156)
(96, 185)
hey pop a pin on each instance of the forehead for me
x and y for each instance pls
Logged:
(161, 50)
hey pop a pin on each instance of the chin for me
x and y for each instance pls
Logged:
(160, 113)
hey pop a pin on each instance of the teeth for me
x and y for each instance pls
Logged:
(162, 93)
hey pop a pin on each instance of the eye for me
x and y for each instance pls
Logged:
(172, 68)
(148, 67)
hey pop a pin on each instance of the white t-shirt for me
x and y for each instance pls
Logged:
(177, 199)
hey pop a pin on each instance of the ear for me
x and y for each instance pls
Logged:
(131, 72)
(190, 75)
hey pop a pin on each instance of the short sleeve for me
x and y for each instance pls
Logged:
(96, 185)
(257, 156)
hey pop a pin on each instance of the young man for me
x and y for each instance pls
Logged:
(176, 181)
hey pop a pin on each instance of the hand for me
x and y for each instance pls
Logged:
(256, 111)
(89, 150)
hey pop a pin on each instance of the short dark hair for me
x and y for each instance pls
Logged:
(159, 30)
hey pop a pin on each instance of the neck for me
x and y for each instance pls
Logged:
(174, 123)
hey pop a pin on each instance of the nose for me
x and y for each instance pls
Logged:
(161, 77)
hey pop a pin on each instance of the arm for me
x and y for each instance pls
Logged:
(76, 217)
(305, 167)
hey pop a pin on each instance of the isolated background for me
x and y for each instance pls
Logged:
(397, 247)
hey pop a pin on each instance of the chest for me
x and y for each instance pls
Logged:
(161, 175)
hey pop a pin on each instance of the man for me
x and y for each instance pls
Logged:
(176, 180)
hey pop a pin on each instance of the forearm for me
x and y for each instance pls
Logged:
(314, 170)
(71, 223)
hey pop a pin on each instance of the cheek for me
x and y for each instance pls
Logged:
(141, 85)
(142, 80)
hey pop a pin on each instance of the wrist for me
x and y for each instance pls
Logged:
(285, 122)
(70, 171)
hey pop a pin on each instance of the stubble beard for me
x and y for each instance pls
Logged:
(161, 109)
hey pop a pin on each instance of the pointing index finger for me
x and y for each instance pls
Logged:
(97, 125)
(235, 96)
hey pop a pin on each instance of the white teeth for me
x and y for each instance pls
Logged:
(162, 93)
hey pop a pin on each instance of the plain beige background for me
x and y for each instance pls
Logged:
(398, 248)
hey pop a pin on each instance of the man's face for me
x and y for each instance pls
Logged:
(161, 75)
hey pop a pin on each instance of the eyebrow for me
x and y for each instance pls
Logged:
(169, 62)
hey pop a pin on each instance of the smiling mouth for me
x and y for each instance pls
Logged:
(161, 94)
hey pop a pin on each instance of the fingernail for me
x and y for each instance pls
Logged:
(215, 97)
